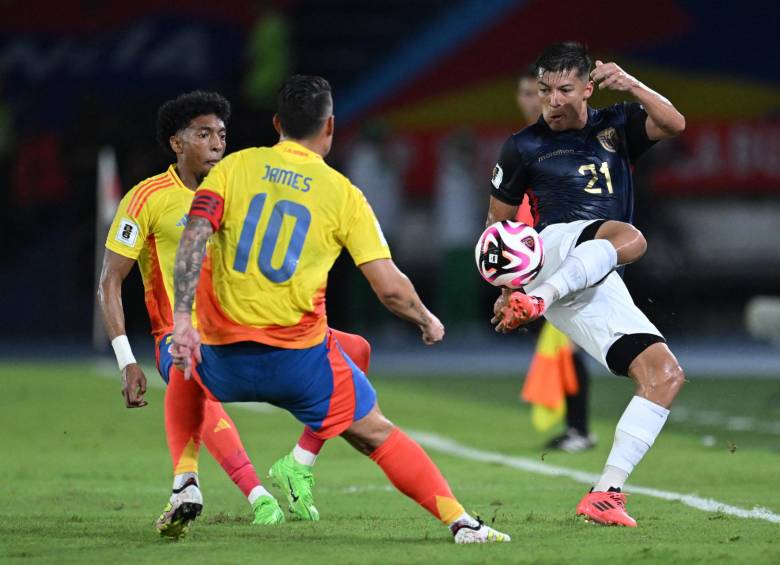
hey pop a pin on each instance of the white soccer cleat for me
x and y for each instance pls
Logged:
(184, 506)
(465, 532)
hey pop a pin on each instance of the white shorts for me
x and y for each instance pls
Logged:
(594, 318)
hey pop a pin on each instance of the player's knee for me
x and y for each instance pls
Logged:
(672, 377)
(367, 434)
(665, 379)
(633, 244)
(640, 242)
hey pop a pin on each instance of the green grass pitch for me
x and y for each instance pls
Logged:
(83, 478)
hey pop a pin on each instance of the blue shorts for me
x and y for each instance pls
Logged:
(320, 386)
(164, 359)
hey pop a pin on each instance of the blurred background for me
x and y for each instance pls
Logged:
(424, 96)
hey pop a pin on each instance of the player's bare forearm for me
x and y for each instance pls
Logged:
(663, 119)
(499, 211)
(114, 271)
(396, 292)
(189, 260)
(407, 305)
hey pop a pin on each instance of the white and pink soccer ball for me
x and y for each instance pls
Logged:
(509, 254)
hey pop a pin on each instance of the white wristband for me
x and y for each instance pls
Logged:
(124, 355)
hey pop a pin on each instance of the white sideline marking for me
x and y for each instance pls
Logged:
(724, 421)
(452, 447)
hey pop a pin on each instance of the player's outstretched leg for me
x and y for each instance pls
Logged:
(614, 243)
(292, 474)
(184, 408)
(659, 378)
(414, 473)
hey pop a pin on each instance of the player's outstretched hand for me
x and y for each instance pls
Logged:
(611, 77)
(133, 386)
(433, 331)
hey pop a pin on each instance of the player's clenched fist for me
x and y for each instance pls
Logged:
(133, 386)
(433, 331)
(611, 77)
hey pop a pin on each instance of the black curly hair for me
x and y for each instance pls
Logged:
(176, 114)
(304, 103)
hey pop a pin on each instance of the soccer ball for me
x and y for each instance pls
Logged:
(509, 254)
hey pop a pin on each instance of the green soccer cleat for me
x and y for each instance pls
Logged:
(297, 482)
(185, 505)
(267, 511)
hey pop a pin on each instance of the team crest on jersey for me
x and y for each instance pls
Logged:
(529, 242)
(127, 232)
(498, 175)
(608, 139)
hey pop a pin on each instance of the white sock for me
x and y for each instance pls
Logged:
(636, 431)
(465, 517)
(257, 492)
(586, 265)
(303, 457)
(182, 478)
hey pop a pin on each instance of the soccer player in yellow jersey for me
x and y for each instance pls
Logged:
(279, 217)
(146, 230)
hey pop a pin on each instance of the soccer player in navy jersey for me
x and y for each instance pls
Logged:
(575, 166)
(577, 436)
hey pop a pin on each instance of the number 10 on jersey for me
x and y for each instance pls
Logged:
(270, 238)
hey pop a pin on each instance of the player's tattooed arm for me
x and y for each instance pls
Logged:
(189, 260)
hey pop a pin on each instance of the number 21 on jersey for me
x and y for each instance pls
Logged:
(270, 238)
(591, 168)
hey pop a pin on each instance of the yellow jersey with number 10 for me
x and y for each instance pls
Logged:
(281, 217)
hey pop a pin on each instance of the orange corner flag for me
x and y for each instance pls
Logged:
(550, 378)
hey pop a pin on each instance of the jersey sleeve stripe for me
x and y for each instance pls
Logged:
(143, 186)
(209, 205)
(133, 208)
(149, 192)
(140, 195)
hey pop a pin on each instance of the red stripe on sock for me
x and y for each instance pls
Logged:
(310, 442)
(221, 438)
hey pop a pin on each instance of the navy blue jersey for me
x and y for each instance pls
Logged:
(577, 174)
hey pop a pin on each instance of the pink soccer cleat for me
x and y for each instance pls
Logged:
(521, 309)
(606, 508)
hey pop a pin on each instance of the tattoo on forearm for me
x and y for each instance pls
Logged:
(189, 259)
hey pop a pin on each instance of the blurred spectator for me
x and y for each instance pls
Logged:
(375, 166)
(268, 56)
(458, 224)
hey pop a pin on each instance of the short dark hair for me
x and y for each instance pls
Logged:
(566, 56)
(304, 103)
(176, 114)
